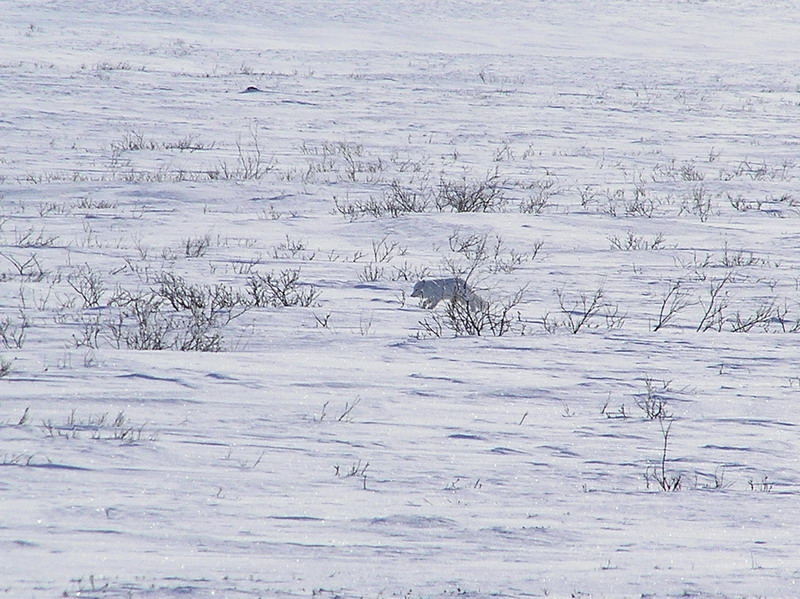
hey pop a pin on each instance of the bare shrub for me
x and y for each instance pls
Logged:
(788, 325)
(371, 273)
(12, 334)
(384, 251)
(673, 301)
(175, 315)
(145, 325)
(480, 248)
(763, 486)
(396, 201)
(740, 258)
(346, 159)
(198, 333)
(344, 416)
(637, 242)
(407, 272)
(762, 317)
(30, 269)
(576, 313)
(640, 204)
(742, 204)
(689, 172)
(716, 304)
(653, 402)
(87, 203)
(133, 141)
(295, 249)
(657, 473)
(354, 209)
(151, 329)
(250, 161)
(588, 196)
(402, 200)
(88, 284)
(89, 333)
(209, 302)
(196, 247)
(471, 196)
(99, 427)
(540, 194)
(484, 318)
(511, 260)
(699, 203)
(5, 368)
(619, 203)
(473, 246)
(34, 239)
(280, 290)
(188, 144)
(355, 164)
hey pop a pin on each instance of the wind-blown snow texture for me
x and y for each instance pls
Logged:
(643, 154)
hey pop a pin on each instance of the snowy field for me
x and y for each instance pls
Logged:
(214, 380)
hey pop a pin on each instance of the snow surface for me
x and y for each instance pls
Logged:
(341, 449)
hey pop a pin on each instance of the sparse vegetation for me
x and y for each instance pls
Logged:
(715, 304)
(763, 486)
(5, 368)
(658, 474)
(166, 222)
(88, 284)
(461, 318)
(196, 247)
(653, 402)
(13, 332)
(345, 415)
(576, 313)
(99, 427)
(464, 195)
(251, 163)
(674, 300)
(282, 289)
(637, 242)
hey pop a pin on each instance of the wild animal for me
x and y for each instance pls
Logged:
(433, 291)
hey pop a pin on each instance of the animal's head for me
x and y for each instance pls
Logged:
(417, 289)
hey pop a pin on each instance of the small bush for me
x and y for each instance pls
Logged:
(5, 368)
(653, 402)
(280, 290)
(471, 196)
(250, 161)
(99, 427)
(402, 200)
(538, 201)
(209, 302)
(637, 242)
(30, 269)
(88, 285)
(581, 312)
(12, 334)
(196, 247)
(477, 318)
(396, 201)
(673, 301)
(145, 325)
(174, 316)
(657, 473)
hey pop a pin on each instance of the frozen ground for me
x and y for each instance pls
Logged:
(638, 163)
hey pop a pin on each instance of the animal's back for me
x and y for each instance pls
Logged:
(432, 291)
